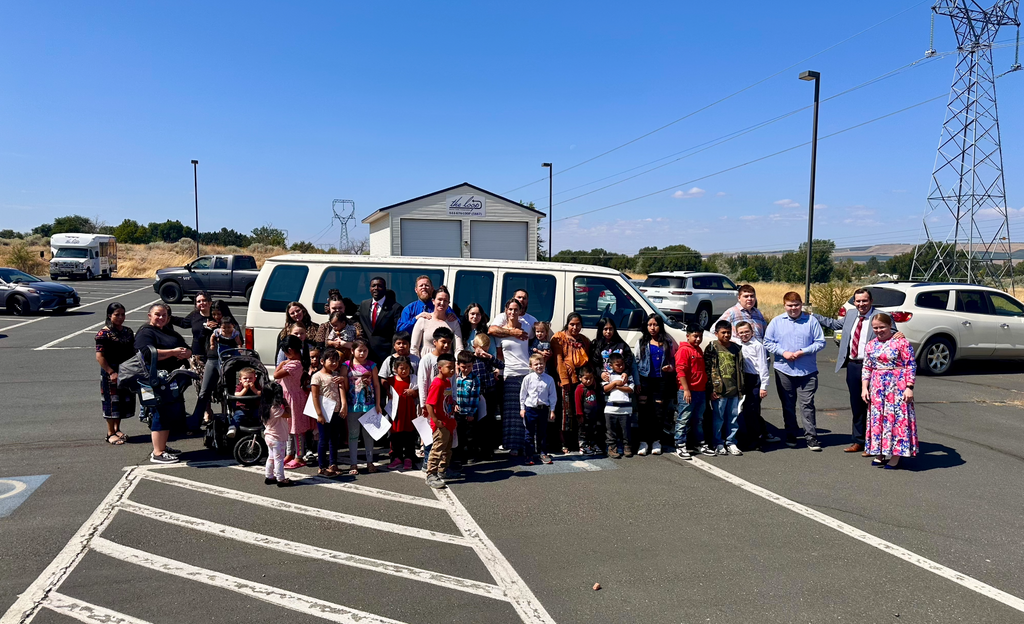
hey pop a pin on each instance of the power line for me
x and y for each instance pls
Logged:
(755, 160)
(722, 99)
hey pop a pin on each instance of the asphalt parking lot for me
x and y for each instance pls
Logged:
(781, 536)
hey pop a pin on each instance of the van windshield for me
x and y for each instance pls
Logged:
(71, 252)
(640, 293)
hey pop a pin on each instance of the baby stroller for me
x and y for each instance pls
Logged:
(247, 447)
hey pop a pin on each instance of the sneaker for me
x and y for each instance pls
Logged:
(643, 449)
(395, 463)
(163, 458)
(232, 431)
(791, 442)
(772, 439)
(309, 458)
(285, 483)
(587, 450)
(814, 446)
(545, 459)
(613, 452)
(451, 474)
(720, 450)
(172, 451)
(682, 453)
(734, 450)
(627, 451)
(656, 448)
(435, 482)
(706, 450)
(423, 465)
(407, 465)
(529, 461)
(269, 481)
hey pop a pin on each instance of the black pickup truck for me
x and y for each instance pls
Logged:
(225, 276)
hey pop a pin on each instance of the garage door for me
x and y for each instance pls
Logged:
(429, 237)
(498, 240)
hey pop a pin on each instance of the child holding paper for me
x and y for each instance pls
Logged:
(363, 395)
(405, 409)
(331, 406)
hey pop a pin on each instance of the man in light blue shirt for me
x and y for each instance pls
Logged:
(794, 339)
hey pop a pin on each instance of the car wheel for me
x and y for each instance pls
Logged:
(248, 292)
(19, 306)
(704, 317)
(54, 278)
(937, 356)
(170, 292)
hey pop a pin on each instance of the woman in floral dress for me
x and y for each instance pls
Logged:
(888, 387)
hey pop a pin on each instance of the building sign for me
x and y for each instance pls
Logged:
(466, 205)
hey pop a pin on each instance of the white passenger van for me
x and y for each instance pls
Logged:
(555, 289)
(83, 255)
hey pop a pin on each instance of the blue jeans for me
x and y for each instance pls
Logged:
(690, 416)
(536, 422)
(327, 446)
(247, 418)
(725, 411)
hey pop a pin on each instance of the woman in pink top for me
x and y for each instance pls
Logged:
(289, 373)
(423, 330)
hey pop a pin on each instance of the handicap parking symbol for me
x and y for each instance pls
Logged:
(14, 491)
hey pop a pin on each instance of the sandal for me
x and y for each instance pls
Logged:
(117, 441)
(332, 471)
(121, 434)
(353, 470)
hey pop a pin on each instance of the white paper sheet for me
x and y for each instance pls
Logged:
(375, 423)
(326, 404)
(422, 425)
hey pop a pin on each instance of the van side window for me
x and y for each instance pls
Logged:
(595, 298)
(474, 287)
(540, 287)
(354, 283)
(283, 287)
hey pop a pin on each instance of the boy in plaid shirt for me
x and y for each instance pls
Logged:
(467, 388)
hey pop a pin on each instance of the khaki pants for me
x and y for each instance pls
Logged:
(440, 451)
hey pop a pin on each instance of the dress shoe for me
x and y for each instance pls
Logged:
(853, 448)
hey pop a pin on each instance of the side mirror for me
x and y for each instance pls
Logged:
(188, 267)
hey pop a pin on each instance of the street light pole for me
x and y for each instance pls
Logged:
(551, 220)
(816, 77)
(195, 180)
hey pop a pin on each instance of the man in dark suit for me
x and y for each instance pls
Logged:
(378, 317)
(851, 357)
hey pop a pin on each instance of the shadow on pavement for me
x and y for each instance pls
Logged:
(931, 456)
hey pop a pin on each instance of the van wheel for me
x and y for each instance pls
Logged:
(937, 356)
(88, 274)
(704, 316)
(170, 292)
(105, 275)
(248, 292)
(19, 306)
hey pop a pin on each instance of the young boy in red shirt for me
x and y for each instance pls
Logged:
(692, 386)
(440, 408)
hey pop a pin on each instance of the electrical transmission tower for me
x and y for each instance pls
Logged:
(348, 216)
(967, 181)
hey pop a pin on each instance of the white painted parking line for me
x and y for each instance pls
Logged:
(352, 487)
(857, 534)
(266, 593)
(85, 612)
(91, 328)
(314, 552)
(43, 318)
(324, 514)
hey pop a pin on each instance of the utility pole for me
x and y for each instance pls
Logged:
(816, 77)
(195, 180)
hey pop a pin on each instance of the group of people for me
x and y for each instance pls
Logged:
(514, 383)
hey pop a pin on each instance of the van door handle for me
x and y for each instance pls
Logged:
(965, 323)
(1004, 326)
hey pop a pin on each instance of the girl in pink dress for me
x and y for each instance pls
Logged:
(888, 387)
(289, 373)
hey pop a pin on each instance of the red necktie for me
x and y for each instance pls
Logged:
(373, 321)
(854, 346)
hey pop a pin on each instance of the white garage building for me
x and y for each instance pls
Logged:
(461, 221)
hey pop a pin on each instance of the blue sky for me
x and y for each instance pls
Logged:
(288, 107)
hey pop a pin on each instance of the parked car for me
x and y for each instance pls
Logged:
(21, 293)
(691, 296)
(555, 289)
(224, 276)
(945, 322)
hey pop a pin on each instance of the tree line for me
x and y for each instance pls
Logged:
(131, 231)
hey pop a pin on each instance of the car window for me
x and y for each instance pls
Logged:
(656, 282)
(474, 287)
(354, 283)
(703, 283)
(937, 300)
(220, 262)
(884, 297)
(244, 263)
(283, 287)
(971, 302)
(541, 288)
(1005, 306)
(202, 263)
(597, 297)
(728, 284)
(12, 276)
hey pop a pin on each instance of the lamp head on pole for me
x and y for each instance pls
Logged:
(545, 164)
(195, 162)
(809, 75)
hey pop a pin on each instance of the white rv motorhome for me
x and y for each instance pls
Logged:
(83, 255)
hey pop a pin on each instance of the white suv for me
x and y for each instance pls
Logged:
(946, 322)
(688, 295)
